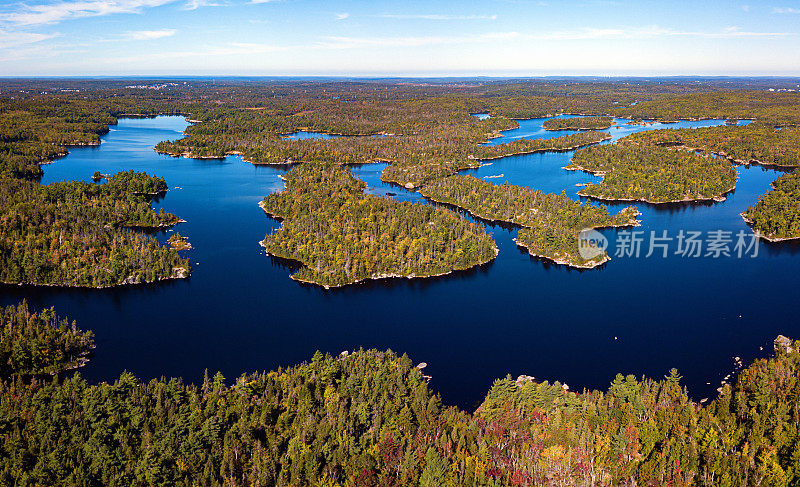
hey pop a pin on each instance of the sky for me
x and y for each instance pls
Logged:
(399, 38)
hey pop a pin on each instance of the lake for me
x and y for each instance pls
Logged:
(240, 312)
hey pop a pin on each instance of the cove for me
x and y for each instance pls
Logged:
(240, 312)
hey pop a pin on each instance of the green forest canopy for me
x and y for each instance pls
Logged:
(653, 173)
(78, 233)
(776, 215)
(370, 419)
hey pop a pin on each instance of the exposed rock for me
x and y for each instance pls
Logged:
(522, 379)
(783, 344)
(180, 272)
(131, 280)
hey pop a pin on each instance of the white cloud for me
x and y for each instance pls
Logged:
(57, 12)
(733, 32)
(147, 35)
(13, 39)
(437, 17)
(785, 10)
(195, 4)
(342, 16)
(262, 1)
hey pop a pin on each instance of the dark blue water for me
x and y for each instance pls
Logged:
(240, 312)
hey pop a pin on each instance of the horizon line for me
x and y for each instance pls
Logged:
(391, 76)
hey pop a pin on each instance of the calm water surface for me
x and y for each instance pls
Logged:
(308, 135)
(240, 312)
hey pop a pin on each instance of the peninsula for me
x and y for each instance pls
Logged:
(550, 222)
(776, 216)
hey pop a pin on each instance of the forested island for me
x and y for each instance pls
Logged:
(138, 184)
(550, 222)
(78, 233)
(776, 216)
(578, 123)
(777, 109)
(670, 165)
(369, 418)
(634, 172)
(753, 143)
(342, 236)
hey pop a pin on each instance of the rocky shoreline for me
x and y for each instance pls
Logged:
(191, 155)
(177, 273)
(377, 277)
(562, 260)
(768, 238)
(611, 199)
(155, 227)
